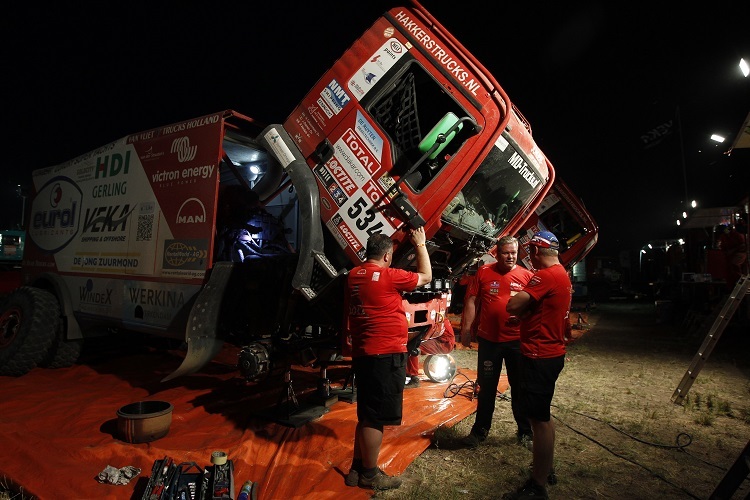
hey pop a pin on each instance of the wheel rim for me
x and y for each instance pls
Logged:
(10, 322)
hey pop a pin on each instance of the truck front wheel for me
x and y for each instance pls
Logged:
(29, 320)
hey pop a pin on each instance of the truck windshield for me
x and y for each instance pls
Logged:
(501, 186)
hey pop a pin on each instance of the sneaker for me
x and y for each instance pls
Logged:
(411, 382)
(472, 441)
(529, 491)
(526, 440)
(380, 481)
(352, 479)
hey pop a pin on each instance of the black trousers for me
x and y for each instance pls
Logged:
(490, 358)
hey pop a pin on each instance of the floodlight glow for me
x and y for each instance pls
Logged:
(693, 204)
(254, 169)
(440, 367)
(678, 222)
(744, 68)
(684, 215)
(643, 251)
(717, 138)
(650, 247)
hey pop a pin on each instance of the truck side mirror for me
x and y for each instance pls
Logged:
(441, 135)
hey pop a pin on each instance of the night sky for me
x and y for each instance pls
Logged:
(592, 79)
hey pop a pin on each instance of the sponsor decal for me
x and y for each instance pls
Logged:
(185, 152)
(192, 211)
(346, 158)
(440, 54)
(55, 214)
(150, 154)
(154, 303)
(87, 295)
(376, 66)
(370, 137)
(348, 235)
(332, 226)
(110, 263)
(112, 165)
(334, 97)
(279, 148)
(341, 176)
(324, 107)
(173, 299)
(337, 194)
(184, 175)
(185, 254)
(107, 190)
(191, 124)
(108, 219)
(523, 168)
(363, 155)
(142, 136)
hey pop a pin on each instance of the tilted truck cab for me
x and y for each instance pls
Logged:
(565, 215)
(184, 230)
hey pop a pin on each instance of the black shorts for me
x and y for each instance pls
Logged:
(538, 378)
(380, 387)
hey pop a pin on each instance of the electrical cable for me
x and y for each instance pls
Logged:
(680, 445)
(652, 472)
(682, 441)
(454, 389)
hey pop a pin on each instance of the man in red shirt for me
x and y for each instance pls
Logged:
(498, 337)
(379, 333)
(544, 309)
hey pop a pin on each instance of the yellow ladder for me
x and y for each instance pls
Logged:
(730, 306)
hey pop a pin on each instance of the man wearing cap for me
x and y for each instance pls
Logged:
(544, 307)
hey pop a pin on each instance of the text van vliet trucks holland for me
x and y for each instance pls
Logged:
(221, 230)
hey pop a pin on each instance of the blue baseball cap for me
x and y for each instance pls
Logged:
(545, 239)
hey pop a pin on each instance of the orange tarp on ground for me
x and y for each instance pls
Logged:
(58, 428)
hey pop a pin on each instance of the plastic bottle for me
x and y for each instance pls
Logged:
(245, 491)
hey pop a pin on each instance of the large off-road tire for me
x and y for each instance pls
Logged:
(29, 321)
(63, 353)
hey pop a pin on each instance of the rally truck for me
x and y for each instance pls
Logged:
(565, 215)
(220, 231)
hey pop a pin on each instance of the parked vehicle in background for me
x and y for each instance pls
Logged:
(11, 248)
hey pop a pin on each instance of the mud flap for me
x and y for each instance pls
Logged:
(276, 140)
(200, 333)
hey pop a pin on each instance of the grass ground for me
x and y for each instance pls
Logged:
(618, 433)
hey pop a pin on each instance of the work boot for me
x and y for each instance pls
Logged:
(529, 491)
(352, 479)
(380, 481)
(473, 440)
(411, 382)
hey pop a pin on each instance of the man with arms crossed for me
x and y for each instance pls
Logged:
(379, 332)
(498, 336)
(544, 309)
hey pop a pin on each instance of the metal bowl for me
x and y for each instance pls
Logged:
(144, 421)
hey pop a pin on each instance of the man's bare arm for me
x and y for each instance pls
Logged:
(467, 319)
(519, 304)
(424, 269)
